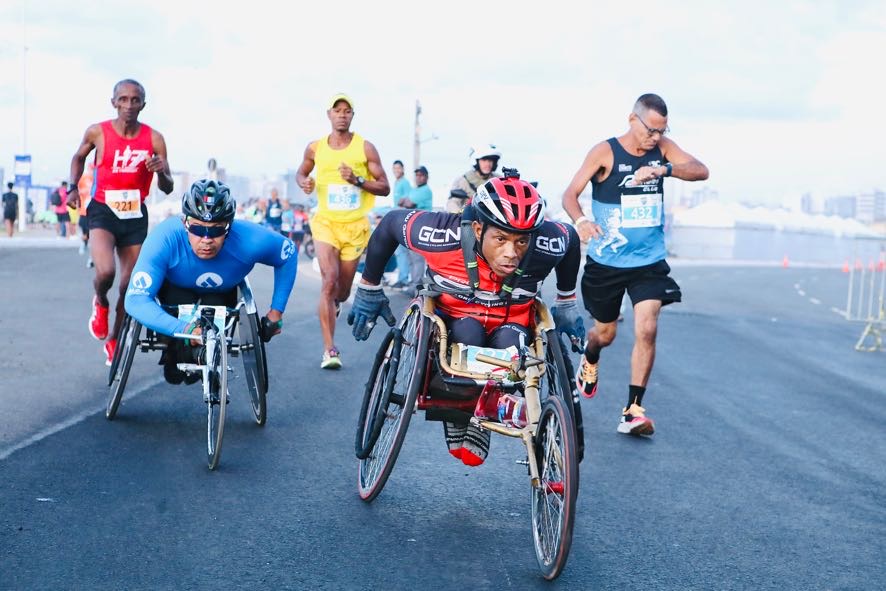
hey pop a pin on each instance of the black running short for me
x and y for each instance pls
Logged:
(602, 287)
(126, 232)
(63, 217)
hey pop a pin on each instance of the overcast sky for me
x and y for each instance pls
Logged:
(776, 98)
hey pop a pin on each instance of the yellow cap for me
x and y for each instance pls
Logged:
(340, 97)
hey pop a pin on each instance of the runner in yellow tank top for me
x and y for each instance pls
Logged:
(349, 176)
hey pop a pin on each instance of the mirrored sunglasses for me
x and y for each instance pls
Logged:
(207, 231)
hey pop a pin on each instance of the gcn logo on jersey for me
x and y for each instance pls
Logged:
(209, 280)
(287, 250)
(141, 280)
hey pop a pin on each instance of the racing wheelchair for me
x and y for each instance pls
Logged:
(227, 331)
(417, 369)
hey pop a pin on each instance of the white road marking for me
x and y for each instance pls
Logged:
(69, 422)
(815, 301)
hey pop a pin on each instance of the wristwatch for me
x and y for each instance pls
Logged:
(360, 181)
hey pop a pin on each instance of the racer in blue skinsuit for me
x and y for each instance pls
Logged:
(205, 256)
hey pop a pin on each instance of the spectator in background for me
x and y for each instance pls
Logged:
(286, 219)
(10, 209)
(84, 185)
(59, 201)
(420, 197)
(274, 212)
(401, 191)
(299, 225)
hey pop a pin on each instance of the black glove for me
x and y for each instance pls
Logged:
(369, 303)
(568, 319)
(269, 328)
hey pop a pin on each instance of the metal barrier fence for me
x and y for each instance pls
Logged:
(865, 300)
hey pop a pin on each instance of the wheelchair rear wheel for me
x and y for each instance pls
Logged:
(217, 360)
(561, 383)
(255, 364)
(553, 500)
(406, 365)
(127, 343)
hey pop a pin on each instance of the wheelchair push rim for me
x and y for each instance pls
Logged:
(121, 363)
(377, 393)
(374, 470)
(562, 383)
(252, 352)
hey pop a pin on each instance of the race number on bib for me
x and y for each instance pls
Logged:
(641, 211)
(343, 197)
(187, 312)
(125, 203)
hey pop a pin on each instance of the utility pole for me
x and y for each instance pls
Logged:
(417, 141)
(23, 202)
(416, 146)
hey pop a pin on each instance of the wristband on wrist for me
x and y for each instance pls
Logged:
(581, 219)
(668, 169)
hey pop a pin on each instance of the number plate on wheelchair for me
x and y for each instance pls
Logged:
(187, 312)
(466, 356)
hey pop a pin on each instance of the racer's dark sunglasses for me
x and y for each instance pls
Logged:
(207, 231)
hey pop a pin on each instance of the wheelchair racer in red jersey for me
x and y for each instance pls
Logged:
(488, 265)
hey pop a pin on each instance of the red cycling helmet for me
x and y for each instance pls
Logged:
(510, 204)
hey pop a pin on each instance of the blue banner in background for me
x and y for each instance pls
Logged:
(22, 170)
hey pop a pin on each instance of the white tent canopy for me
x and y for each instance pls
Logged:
(713, 214)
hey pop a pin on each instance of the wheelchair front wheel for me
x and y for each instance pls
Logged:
(127, 343)
(406, 379)
(554, 497)
(217, 402)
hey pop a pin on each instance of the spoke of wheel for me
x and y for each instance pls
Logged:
(552, 507)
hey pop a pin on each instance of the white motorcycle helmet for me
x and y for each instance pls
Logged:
(480, 151)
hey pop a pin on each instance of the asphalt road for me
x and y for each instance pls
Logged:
(767, 470)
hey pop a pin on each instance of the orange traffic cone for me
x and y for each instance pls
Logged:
(846, 266)
(858, 265)
(784, 262)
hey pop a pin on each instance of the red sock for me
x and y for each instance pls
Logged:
(470, 459)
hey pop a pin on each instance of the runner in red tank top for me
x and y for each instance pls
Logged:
(127, 155)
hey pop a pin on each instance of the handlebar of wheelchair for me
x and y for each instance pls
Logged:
(194, 337)
(529, 362)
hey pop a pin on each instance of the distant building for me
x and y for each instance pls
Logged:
(807, 205)
(699, 196)
(239, 185)
(843, 206)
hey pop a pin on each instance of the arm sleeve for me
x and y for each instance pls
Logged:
(567, 268)
(390, 232)
(278, 252)
(145, 281)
